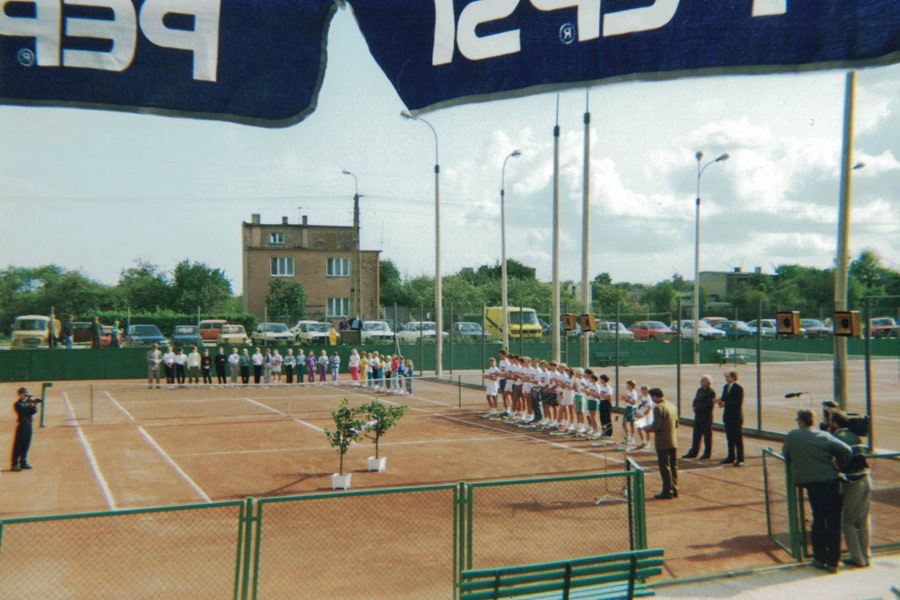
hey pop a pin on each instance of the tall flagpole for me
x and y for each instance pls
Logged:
(554, 301)
(586, 231)
(842, 267)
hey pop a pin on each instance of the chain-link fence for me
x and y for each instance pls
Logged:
(789, 516)
(177, 552)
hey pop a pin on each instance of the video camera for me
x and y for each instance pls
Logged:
(856, 423)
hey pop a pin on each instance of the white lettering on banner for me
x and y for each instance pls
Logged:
(46, 28)
(448, 34)
(474, 47)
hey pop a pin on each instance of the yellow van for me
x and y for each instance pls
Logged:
(523, 322)
(34, 331)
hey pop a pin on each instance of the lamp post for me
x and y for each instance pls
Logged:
(503, 282)
(357, 270)
(696, 310)
(438, 308)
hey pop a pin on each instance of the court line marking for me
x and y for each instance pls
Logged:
(283, 414)
(165, 456)
(92, 459)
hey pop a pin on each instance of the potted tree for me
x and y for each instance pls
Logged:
(381, 417)
(347, 429)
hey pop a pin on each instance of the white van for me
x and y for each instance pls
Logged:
(34, 331)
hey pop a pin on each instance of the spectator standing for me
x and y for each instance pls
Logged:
(154, 357)
(96, 332)
(856, 517)
(257, 359)
(234, 365)
(220, 361)
(290, 361)
(353, 363)
(246, 362)
(114, 335)
(25, 407)
(664, 423)
(630, 400)
(194, 362)
(206, 366)
(492, 387)
(311, 367)
(335, 365)
(811, 455)
(409, 376)
(703, 403)
(267, 366)
(277, 362)
(69, 331)
(732, 400)
(322, 366)
(168, 360)
(181, 360)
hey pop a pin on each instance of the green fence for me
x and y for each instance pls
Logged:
(130, 363)
(788, 516)
(398, 543)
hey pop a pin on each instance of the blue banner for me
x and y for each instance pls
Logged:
(252, 61)
(441, 52)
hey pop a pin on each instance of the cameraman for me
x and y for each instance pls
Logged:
(25, 407)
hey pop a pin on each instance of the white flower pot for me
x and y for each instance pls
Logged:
(377, 464)
(340, 482)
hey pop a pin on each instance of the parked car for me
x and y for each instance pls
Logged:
(768, 326)
(816, 328)
(414, 331)
(651, 331)
(34, 331)
(882, 326)
(735, 330)
(706, 331)
(81, 332)
(469, 330)
(608, 330)
(376, 331)
(311, 332)
(233, 334)
(271, 333)
(186, 336)
(106, 336)
(144, 335)
(210, 330)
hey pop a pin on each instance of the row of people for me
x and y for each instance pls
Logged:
(270, 366)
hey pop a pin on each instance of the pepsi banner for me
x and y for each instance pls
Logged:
(259, 62)
(441, 52)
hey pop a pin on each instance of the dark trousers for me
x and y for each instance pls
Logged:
(179, 373)
(220, 373)
(257, 373)
(536, 405)
(734, 437)
(245, 375)
(825, 502)
(170, 374)
(21, 444)
(289, 374)
(702, 429)
(606, 417)
(668, 470)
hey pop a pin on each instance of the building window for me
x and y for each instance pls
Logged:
(337, 308)
(282, 266)
(276, 238)
(337, 267)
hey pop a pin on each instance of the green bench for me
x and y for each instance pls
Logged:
(603, 577)
(605, 359)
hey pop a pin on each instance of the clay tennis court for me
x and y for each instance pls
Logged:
(115, 445)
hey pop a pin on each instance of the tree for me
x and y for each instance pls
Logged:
(285, 301)
(198, 286)
(145, 287)
(662, 297)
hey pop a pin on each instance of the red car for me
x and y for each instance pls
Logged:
(651, 331)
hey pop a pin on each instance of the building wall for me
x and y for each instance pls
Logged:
(310, 247)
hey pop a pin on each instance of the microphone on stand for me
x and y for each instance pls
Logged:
(793, 395)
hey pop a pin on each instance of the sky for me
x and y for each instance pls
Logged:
(97, 191)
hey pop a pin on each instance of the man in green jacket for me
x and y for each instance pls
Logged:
(666, 443)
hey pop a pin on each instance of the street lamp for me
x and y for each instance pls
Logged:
(356, 243)
(696, 311)
(503, 284)
(438, 308)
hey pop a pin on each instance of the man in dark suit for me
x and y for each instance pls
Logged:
(732, 400)
(703, 404)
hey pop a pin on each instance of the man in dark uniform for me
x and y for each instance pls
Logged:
(25, 408)
(703, 418)
(732, 400)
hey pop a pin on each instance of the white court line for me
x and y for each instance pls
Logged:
(278, 412)
(193, 485)
(92, 460)
(175, 466)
